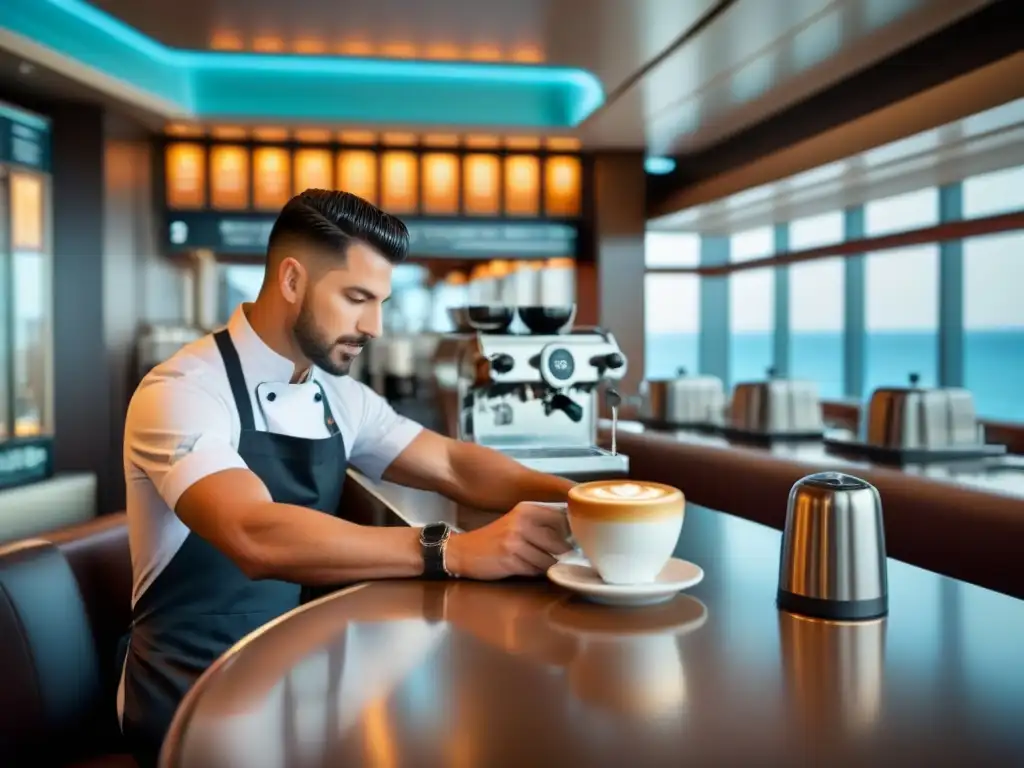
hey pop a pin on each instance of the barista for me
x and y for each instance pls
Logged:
(235, 454)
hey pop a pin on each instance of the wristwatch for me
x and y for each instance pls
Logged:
(433, 540)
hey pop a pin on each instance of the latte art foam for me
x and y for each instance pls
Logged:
(626, 492)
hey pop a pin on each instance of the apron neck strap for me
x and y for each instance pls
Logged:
(236, 379)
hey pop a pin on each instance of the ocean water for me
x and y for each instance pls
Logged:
(993, 362)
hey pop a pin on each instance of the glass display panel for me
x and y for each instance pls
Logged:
(31, 302)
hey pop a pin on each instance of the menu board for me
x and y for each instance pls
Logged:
(24, 138)
(248, 234)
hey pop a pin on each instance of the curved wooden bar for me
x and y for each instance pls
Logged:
(520, 673)
(963, 522)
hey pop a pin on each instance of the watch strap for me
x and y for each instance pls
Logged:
(433, 539)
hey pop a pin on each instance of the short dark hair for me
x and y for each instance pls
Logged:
(332, 220)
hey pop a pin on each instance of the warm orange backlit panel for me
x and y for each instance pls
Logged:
(520, 143)
(229, 133)
(270, 135)
(272, 177)
(185, 169)
(440, 183)
(481, 185)
(522, 185)
(482, 142)
(398, 139)
(313, 170)
(357, 138)
(562, 186)
(229, 177)
(399, 182)
(26, 212)
(357, 173)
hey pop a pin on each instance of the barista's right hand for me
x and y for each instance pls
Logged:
(523, 542)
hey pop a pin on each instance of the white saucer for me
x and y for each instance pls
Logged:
(575, 573)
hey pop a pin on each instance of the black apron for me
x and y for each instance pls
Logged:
(201, 604)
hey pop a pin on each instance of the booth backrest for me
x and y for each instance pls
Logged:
(64, 605)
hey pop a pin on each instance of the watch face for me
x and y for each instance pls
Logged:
(434, 533)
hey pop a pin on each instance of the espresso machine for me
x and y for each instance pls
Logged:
(535, 395)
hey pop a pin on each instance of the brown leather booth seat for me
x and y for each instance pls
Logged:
(64, 605)
(961, 532)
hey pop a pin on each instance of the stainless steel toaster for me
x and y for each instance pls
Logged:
(683, 399)
(777, 406)
(917, 417)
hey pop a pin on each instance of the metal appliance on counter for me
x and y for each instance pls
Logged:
(776, 409)
(833, 560)
(918, 425)
(684, 402)
(533, 395)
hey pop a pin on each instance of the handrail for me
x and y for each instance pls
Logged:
(953, 230)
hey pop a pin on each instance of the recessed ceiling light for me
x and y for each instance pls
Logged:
(659, 166)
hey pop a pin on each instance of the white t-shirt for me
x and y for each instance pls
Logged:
(182, 425)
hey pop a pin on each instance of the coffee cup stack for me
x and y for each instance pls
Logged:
(627, 529)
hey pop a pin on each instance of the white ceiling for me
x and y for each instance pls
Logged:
(756, 59)
(670, 89)
(987, 140)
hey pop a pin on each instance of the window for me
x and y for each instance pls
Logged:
(239, 283)
(671, 249)
(901, 295)
(816, 305)
(751, 307)
(993, 193)
(993, 311)
(5, 352)
(671, 324)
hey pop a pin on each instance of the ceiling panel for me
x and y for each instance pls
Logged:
(990, 140)
(611, 38)
(755, 60)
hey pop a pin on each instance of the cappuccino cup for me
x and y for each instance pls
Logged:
(627, 529)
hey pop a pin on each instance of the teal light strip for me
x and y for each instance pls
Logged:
(212, 84)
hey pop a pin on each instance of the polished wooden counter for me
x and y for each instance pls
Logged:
(520, 673)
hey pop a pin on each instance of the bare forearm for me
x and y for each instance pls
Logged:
(488, 480)
(297, 544)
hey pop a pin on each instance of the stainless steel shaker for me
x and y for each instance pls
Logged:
(833, 562)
